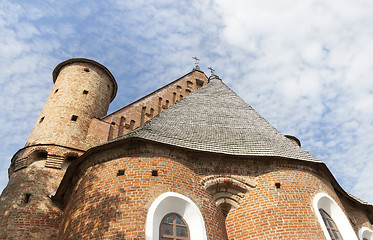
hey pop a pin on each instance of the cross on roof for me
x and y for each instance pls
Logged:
(212, 70)
(196, 59)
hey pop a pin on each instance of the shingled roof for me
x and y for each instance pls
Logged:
(215, 119)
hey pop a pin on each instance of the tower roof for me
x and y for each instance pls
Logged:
(215, 119)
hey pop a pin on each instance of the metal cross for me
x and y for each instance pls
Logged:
(212, 70)
(196, 59)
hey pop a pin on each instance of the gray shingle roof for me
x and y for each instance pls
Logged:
(215, 119)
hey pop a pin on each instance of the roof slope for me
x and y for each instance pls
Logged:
(215, 119)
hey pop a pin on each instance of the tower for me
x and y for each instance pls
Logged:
(83, 90)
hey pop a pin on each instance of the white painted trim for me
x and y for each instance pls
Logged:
(365, 232)
(174, 202)
(325, 202)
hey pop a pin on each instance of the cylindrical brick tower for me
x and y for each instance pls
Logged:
(83, 90)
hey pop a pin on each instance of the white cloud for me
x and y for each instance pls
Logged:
(305, 66)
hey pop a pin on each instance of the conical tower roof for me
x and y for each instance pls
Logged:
(215, 119)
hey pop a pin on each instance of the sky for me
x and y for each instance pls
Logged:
(305, 66)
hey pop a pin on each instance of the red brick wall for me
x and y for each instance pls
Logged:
(112, 206)
(118, 205)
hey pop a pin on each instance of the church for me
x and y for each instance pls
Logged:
(189, 161)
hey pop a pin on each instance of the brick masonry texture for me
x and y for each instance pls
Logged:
(64, 184)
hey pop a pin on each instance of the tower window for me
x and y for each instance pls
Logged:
(173, 226)
(74, 118)
(278, 185)
(56, 91)
(41, 120)
(27, 197)
(154, 173)
(85, 92)
(330, 225)
(86, 70)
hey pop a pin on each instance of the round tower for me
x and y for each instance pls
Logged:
(83, 89)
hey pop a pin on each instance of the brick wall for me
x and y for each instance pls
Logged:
(118, 205)
(104, 204)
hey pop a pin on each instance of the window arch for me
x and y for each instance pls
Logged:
(365, 233)
(323, 203)
(171, 202)
(173, 227)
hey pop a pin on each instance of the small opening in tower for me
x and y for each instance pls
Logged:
(86, 70)
(85, 92)
(178, 87)
(27, 198)
(120, 172)
(154, 173)
(56, 91)
(181, 96)
(187, 91)
(74, 118)
(41, 120)
(278, 185)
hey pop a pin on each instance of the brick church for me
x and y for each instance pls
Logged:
(189, 161)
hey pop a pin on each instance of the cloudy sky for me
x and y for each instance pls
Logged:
(306, 66)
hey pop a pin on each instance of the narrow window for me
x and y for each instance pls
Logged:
(154, 173)
(132, 124)
(121, 126)
(86, 70)
(178, 87)
(330, 225)
(74, 118)
(85, 92)
(278, 185)
(142, 117)
(173, 227)
(167, 103)
(159, 104)
(41, 120)
(27, 197)
(174, 97)
(187, 91)
(181, 96)
(56, 91)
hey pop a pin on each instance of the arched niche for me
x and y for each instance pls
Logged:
(325, 202)
(171, 202)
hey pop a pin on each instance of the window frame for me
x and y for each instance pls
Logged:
(174, 225)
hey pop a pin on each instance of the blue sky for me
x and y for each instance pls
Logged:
(305, 66)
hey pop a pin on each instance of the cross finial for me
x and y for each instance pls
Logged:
(212, 70)
(196, 59)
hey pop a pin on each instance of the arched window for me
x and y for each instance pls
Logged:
(330, 225)
(182, 211)
(333, 221)
(173, 227)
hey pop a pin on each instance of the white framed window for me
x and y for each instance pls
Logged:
(175, 203)
(365, 233)
(325, 207)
